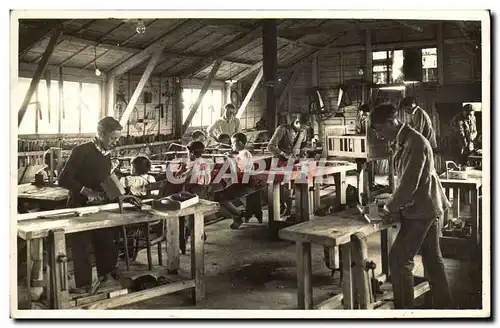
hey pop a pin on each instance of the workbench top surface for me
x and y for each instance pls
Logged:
(39, 227)
(51, 193)
(332, 230)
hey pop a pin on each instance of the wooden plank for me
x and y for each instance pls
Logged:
(60, 108)
(250, 93)
(222, 51)
(340, 187)
(58, 276)
(203, 91)
(36, 36)
(40, 70)
(197, 257)
(38, 228)
(248, 71)
(142, 82)
(347, 286)
(361, 277)
(172, 245)
(333, 303)
(285, 91)
(144, 54)
(141, 296)
(440, 53)
(273, 206)
(304, 273)
(332, 230)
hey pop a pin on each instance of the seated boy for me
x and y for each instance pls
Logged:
(48, 171)
(198, 135)
(224, 142)
(137, 183)
(242, 160)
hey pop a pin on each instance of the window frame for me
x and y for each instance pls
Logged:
(389, 61)
(54, 101)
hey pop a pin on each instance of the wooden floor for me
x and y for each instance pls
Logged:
(246, 271)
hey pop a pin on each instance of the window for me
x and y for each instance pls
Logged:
(80, 113)
(209, 110)
(429, 64)
(388, 66)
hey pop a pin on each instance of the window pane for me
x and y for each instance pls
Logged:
(379, 68)
(90, 106)
(70, 116)
(397, 67)
(19, 92)
(379, 55)
(429, 58)
(44, 125)
(209, 109)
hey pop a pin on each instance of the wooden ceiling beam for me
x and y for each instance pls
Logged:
(140, 57)
(77, 31)
(130, 38)
(40, 70)
(142, 82)
(35, 37)
(203, 91)
(223, 51)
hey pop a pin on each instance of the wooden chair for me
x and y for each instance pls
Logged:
(143, 235)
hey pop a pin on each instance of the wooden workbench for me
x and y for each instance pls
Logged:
(349, 232)
(307, 191)
(44, 198)
(34, 229)
(460, 247)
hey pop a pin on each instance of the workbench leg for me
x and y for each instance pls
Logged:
(361, 279)
(316, 195)
(28, 272)
(475, 219)
(58, 262)
(304, 273)
(347, 281)
(37, 281)
(301, 202)
(385, 247)
(340, 188)
(456, 203)
(172, 245)
(273, 206)
(197, 256)
(332, 257)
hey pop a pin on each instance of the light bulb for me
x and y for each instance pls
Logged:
(141, 28)
(97, 72)
(360, 72)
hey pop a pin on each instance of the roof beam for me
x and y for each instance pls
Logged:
(130, 38)
(250, 93)
(144, 54)
(203, 91)
(34, 37)
(142, 82)
(40, 70)
(224, 50)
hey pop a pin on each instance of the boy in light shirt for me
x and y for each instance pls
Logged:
(241, 162)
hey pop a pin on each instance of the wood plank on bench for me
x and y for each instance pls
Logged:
(332, 230)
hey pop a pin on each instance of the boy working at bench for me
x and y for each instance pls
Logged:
(286, 143)
(240, 162)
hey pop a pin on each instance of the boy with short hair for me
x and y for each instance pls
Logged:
(137, 183)
(242, 162)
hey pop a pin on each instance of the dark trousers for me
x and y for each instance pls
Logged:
(105, 253)
(415, 235)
